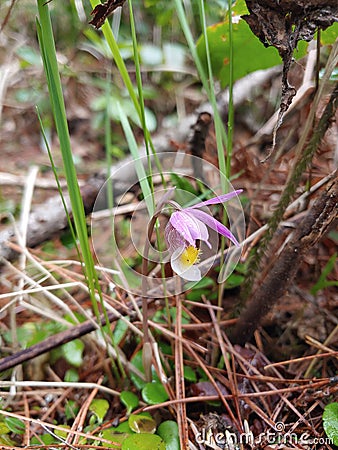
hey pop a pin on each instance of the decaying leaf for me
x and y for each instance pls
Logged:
(101, 12)
(282, 24)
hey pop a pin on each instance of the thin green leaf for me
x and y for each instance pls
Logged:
(133, 147)
(115, 437)
(16, 426)
(48, 53)
(322, 281)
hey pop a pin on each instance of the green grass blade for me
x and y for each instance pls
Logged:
(137, 100)
(70, 224)
(48, 52)
(231, 102)
(219, 127)
(208, 85)
(110, 38)
(141, 173)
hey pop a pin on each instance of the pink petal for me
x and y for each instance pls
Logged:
(202, 233)
(215, 200)
(214, 224)
(183, 224)
(190, 228)
(173, 238)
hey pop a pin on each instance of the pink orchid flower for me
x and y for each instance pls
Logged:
(188, 225)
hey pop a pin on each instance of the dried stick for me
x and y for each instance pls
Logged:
(54, 341)
(179, 379)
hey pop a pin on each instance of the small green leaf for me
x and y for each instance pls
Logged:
(143, 441)
(196, 295)
(71, 375)
(154, 393)
(71, 409)
(67, 240)
(168, 431)
(142, 423)
(189, 374)
(61, 433)
(73, 352)
(113, 436)
(99, 407)
(26, 334)
(15, 425)
(202, 287)
(120, 330)
(4, 429)
(130, 400)
(203, 283)
(234, 280)
(183, 184)
(137, 362)
(330, 421)
(329, 35)
(47, 439)
(124, 427)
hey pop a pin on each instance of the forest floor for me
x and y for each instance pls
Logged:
(272, 388)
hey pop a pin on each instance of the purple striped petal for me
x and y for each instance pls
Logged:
(215, 200)
(214, 224)
(186, 226)
(201, 232)
(173, 238)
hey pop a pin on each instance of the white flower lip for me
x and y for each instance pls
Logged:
(189, 272)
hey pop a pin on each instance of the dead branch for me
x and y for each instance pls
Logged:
(49, 219)
(58, 339)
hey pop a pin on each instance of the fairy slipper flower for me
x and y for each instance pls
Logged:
(188, 225)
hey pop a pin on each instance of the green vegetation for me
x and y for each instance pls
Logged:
(144, 355)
